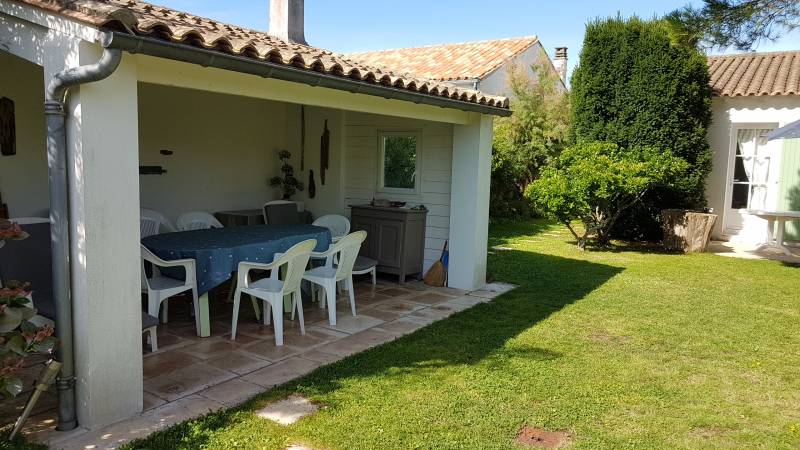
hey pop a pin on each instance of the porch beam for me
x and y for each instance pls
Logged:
(232, 74)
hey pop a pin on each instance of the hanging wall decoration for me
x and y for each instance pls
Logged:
(8, 133)
(302, 137)
(312, 186)
(324, 152)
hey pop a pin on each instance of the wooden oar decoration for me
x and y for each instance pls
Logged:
(324, 152)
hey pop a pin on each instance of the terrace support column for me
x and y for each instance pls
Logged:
(102, 167)
(469, 202)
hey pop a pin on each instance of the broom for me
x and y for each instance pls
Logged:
(437, 274)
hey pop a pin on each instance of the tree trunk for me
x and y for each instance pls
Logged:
(686, 231)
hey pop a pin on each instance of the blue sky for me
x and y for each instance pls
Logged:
(355, 25)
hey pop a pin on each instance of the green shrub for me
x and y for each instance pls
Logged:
(597, 182)
(637, 87)
(529, 139)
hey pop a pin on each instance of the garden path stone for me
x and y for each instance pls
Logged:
(288, 410)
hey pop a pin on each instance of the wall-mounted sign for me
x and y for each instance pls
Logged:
(8, 133)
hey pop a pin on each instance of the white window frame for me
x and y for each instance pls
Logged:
(732, 140)
(382, 159)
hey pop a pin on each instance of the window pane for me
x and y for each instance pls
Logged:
(739, 198)
(739, 172)
(758, 199)
(400, 162)
(761, 170)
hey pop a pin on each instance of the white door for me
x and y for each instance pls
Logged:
(752, 180)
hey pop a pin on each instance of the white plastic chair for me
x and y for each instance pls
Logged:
(153, 222)
(272, 290)
(197, 220)
(159, 288)
(277, 203)
(364, 265)
(327, 276)
(338, 225)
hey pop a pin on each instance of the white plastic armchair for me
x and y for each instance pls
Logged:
(153, 222)
(160, 288)
(338, 225)
(344, 253)
(197, 220)
(272, 290)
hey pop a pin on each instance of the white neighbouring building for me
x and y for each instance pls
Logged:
(482, 65)
(754, 93)
(212, 104)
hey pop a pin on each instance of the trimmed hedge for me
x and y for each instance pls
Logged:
(637, 87)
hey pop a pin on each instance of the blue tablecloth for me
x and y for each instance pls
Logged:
(218, 251)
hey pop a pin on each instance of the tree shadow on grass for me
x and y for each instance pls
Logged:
(475, 336)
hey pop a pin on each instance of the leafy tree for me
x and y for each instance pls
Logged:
(597, 182)
(638, 86)
(529, 139)
(741, 24)
(400, 166)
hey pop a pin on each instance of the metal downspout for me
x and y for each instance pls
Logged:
(59, 219)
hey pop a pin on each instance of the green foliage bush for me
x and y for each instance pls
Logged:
(529, 139)
(638, 86)
(597, 182)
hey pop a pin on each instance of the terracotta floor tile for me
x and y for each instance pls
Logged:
(152, 401)
(281, 372)
(166, 362)
(168, 340)
(430, 298)
(238, 362)
(399, 306)
(350, 324)
(357, 342)
(382, 314)
(268, 350)
(373, 337)
(304, 342)
(211, 347)
(320, 356)
(466, 301)
(395, 292)
(401, 327)
(232, 392)
(186, 381)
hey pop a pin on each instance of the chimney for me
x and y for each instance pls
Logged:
(560, 63)
(286, 20)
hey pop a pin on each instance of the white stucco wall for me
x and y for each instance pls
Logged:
(728, 113)
(361, 170)
(23, 177)
(225, 149)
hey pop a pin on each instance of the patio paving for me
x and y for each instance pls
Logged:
(737, 250)
(190, 376)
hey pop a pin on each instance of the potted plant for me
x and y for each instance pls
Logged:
(19, 338)
(288, 184)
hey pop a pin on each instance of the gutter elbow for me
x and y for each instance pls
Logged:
(62, 81)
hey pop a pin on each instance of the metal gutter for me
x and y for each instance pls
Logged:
(209, 58)
(60, 217)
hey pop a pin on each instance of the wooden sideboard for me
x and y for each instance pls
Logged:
(395, 238)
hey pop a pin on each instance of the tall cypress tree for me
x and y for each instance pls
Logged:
(636, 86)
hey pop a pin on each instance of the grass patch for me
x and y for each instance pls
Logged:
(621, 348)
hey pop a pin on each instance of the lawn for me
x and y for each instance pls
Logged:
(619, 348)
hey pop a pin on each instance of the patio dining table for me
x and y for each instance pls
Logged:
(218, 251)
(776, 235)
